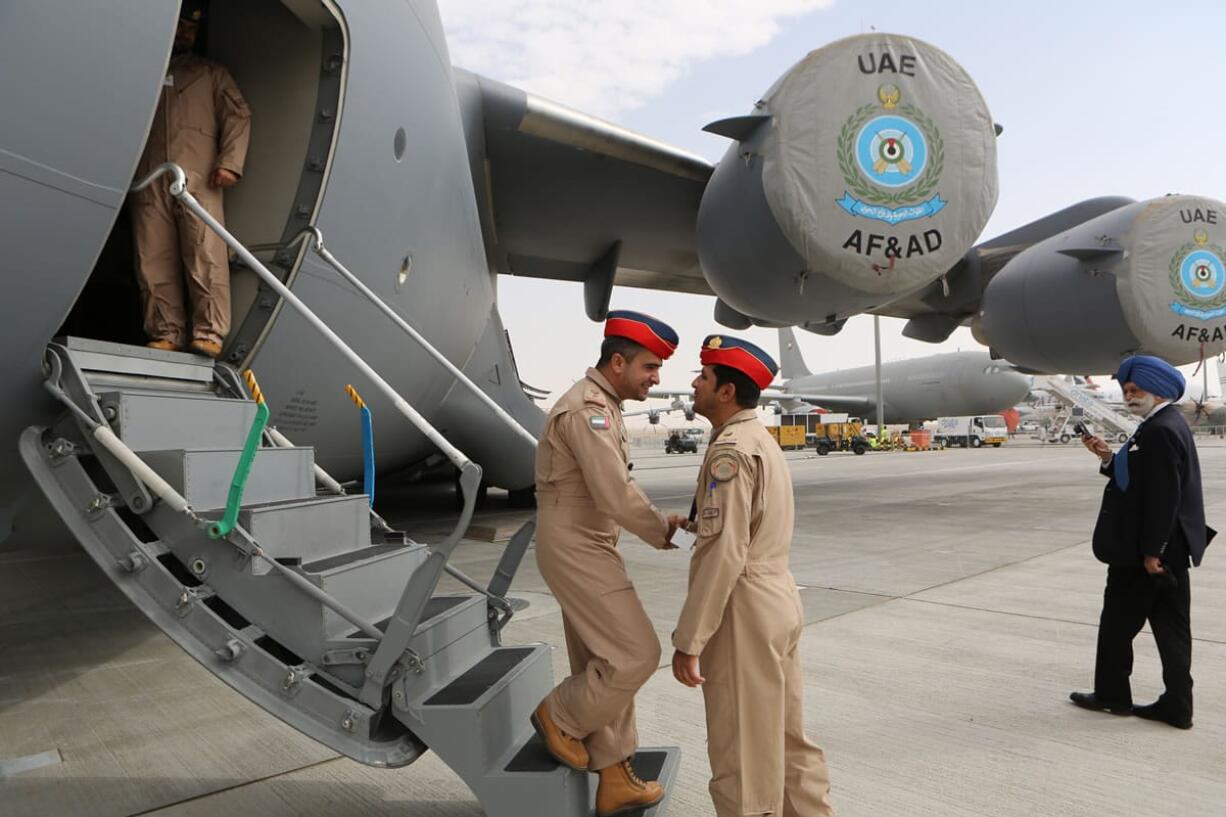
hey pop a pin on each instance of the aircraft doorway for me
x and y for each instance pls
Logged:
(287, 59)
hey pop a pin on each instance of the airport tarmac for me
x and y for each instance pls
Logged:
(951, 604)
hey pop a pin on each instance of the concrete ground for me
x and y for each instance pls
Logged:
(951, 603)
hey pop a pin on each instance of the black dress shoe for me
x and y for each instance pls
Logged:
(1088, 700)
(1154, 712)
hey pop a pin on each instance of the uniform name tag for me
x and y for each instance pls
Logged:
(599, 421)
(710, 513)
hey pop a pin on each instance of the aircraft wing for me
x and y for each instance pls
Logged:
(833, 402)
(570, 197)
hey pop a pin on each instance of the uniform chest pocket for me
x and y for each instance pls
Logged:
(194, 108)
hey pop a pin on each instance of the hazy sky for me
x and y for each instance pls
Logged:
(1096, 98)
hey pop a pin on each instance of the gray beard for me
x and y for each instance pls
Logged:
(1141, 408)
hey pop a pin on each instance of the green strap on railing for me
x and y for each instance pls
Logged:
(238, 483)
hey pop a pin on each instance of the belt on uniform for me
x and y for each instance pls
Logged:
(754, 570)
(565, 500)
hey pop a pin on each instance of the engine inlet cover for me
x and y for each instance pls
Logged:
(880, 167)
(1174, 289)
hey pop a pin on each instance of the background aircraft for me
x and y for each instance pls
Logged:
(948, 385)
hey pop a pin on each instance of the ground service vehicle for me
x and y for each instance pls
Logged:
(789, 437)
(827, 437)
(679, 443)
(974, 431)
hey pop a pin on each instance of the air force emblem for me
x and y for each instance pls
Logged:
(891, 154)
(1198, 279)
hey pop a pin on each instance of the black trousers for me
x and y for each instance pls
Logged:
(1132, 597)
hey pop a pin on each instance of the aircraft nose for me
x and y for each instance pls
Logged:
(1012, 385)
(1000, 385)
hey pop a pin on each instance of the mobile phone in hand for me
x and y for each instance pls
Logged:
(1080, 428)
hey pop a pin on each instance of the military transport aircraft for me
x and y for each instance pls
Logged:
(924, 388)
(383, 192)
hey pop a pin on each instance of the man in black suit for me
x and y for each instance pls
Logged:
(1151, 528)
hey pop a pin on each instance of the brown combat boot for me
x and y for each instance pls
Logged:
(162, 345)
(621, 791)
(207, 347)
(566, 750)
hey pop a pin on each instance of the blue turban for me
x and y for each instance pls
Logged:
(1153, 374)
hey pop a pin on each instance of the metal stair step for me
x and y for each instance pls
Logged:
(532, 766)
(370, 584)
(160, 421)
(99, 360)
(320, 528)
(435, 607)
(203, 476)
(487, 706)
(300, 623)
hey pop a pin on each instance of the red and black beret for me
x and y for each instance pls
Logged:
(655, 336)
(745, 357)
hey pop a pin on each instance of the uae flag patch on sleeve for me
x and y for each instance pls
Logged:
(599, 421)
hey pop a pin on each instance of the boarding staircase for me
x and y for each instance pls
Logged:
(1116, 425)
(312, 606)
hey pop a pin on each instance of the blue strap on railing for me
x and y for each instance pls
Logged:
(368, 444)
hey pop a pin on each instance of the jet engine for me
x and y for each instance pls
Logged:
(1149, 277)
(863, 175)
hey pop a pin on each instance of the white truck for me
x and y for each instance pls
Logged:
(972, 431)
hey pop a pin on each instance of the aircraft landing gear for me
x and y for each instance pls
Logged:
(522, 498)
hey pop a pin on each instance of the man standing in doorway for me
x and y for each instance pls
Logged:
(1151, 528)
(584, 497)
(739, 632)
(202, 124)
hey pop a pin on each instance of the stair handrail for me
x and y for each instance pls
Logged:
(1078, 397)
(317, 244)
(395, 641)
(178, 189)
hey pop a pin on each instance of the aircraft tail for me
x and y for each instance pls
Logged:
(791, 361)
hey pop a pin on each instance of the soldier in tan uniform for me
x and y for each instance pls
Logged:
(203, 125)
(584, 497)
(741, 623)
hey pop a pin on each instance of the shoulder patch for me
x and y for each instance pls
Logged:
(723, 467)
(599, 422)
